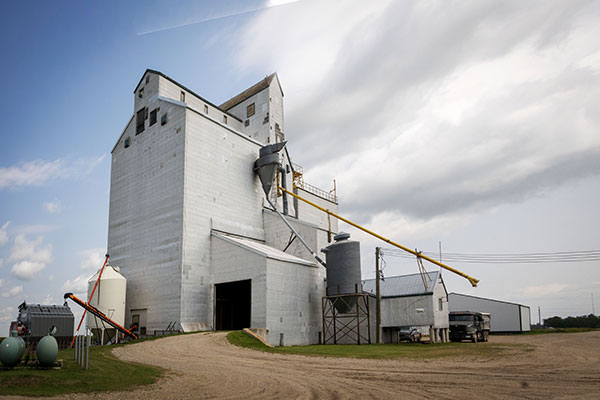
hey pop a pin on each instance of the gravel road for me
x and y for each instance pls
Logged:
(206, 366)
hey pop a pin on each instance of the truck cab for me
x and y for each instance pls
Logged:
(469, 325)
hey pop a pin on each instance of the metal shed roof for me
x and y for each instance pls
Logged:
(404, 285)
(263, 249)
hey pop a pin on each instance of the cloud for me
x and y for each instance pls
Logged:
(78, 285)
(430, 110)
(4, 234)
(53, 207)
(547, 290)
(31, 256)
(92, 259)
(49, 299)
(8, 313)
(13, 292)
(34, 229)
(1, 283)
(41, 172)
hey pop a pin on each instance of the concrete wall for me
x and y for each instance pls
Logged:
(505, 317)
(145, 231)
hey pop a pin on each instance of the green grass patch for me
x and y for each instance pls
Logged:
(558, 330)
(414, 351)
(105, 373)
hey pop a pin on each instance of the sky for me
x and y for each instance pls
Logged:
(467, 126)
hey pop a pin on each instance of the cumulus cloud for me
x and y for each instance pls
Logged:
(78, 285)
(53, 207)
(13, 291)
(427, 110)
(8, 313)
(4, 234)
(41, 172)
(91, 261)
(31, 256)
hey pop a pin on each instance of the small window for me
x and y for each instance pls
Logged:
(147, 79)
(205, 109)
(140, 119)
(224, 119)
(163, 119)
(247, 122)
(127, 142)
(141, 93)
(182, 96)
(441, 302)
(250, 110)
(153, 114)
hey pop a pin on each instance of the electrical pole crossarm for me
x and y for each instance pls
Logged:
(472, 280)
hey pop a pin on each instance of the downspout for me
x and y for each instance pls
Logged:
(284, 185)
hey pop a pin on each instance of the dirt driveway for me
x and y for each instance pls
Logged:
(206, 366)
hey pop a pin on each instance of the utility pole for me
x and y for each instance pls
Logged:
(378, 294)
(593, 309)
(539, 316)
(440, 243)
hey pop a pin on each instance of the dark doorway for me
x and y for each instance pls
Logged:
(233, 305)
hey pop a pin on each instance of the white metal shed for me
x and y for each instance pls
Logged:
(505, 316)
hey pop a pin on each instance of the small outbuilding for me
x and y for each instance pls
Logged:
(505, 316)
(412, 301)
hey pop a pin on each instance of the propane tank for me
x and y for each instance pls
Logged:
(47, 350)
(12, 349)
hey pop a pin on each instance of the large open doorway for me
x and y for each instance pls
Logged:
(233, 305)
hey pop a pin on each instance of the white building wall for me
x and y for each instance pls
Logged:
(219, 181)
(146, 215)
(504, 316)
(258, 124)
(294, 294)
(440, 297)
(407, 311)
(232, 263)
(525, 318)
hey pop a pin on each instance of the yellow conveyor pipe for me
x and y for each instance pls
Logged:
(472, 280)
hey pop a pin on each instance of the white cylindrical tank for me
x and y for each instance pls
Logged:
(109, 298)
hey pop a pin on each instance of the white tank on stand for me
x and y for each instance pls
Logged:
(109, 298)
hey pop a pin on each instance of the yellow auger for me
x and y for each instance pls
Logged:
(472, 280)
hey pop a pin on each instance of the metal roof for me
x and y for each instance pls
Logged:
(263, 249)
(403, 285)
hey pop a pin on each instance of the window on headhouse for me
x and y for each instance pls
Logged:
(140, 118)
(205, 109)
(141, 93)
(250, 110)
(224, 119)
(153, 116)
(182, 96)
(127, 142)
(441, 302)
(163, 119)
(147, 79)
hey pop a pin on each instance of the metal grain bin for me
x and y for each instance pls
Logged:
(343, 270)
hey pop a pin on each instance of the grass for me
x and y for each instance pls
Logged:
(415, 351)
(558, 330)
(105, 373)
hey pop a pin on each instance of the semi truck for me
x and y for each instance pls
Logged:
(469, 325)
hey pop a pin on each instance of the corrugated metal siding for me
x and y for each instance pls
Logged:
(505, 317)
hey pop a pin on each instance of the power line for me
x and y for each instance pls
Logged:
(507, 258)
